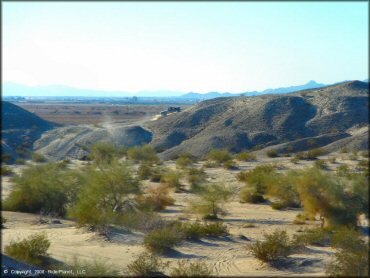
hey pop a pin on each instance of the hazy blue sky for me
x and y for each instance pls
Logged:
(184, 46)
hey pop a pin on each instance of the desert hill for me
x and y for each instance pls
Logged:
(242, 123)
(20, 128)
(74, 141)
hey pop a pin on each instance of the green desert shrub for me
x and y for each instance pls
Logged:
(185, 160)
(321, 164)
(219, 156)
(314, 153)
(300, 219)
(172, 178)
(103, 153)
(259, 178)
(216, 229)
(246, 156)
(161, 241)
(195, 177)
(196, 230)
(191, 269)
(284, 188)
(146, 265)
(325, 194)
(6, 171)
(230, 165)
(272, 153)
(42, 189)
(111, 190)
(278, 205)
(274, 247)
(343, 170)
(36, 157)
(32, 250)
(248, 195)
(212, 197)
(295, 159)
(144, 171)
(144, 153)
(352, 256)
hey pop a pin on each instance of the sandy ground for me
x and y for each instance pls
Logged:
(227, 256)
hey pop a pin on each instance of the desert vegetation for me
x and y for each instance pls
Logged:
(132, 190)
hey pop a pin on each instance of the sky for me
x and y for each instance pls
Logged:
(184, 46)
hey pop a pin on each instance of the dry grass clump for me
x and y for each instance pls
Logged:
(191, 269)
(155, 199)
(274, 247)
(32, 250)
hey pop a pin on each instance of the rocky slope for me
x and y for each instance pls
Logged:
(325, 115)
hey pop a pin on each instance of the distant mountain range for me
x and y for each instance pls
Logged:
(14, 89)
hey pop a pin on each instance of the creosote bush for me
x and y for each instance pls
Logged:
(274, 247)
(146, 265)
(191, 269)
(161, 241)
(103, 153)
(32, 250)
